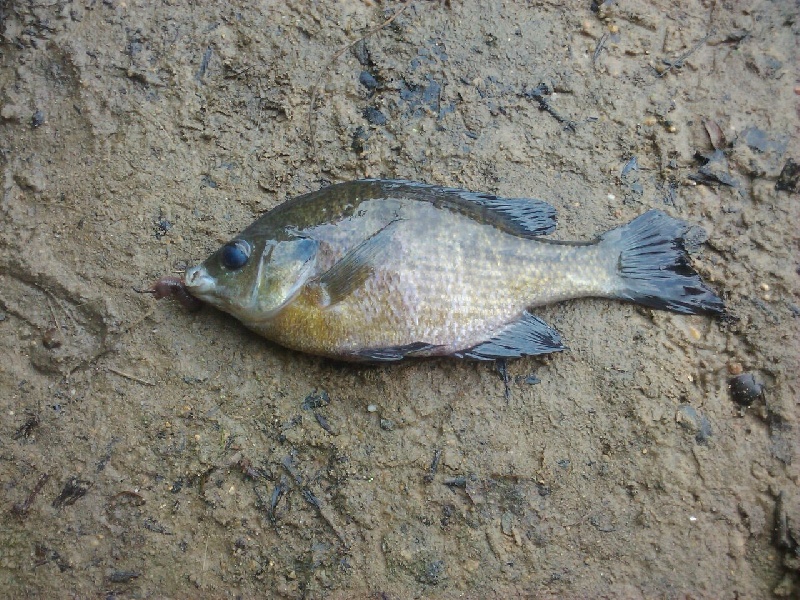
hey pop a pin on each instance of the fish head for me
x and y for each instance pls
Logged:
(253, 279)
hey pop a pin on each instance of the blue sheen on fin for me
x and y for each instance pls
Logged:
(524, 217)
(528, 336)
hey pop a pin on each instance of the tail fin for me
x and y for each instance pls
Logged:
(654, 266)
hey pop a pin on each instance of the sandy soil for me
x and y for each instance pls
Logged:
(147, 452)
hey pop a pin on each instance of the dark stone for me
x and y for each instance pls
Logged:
(789, 179)
(745, 389)
(374, 116)
(368, 81)
(38, 119)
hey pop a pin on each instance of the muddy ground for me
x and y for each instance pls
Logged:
(148, 452)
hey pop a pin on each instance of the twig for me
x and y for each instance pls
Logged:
(601, 45)
(678, 62)
(130, 327)
(327, 69)
(53, 314)
(129, 376)
(64, 309)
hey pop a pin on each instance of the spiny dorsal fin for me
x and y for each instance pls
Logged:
(525, 217)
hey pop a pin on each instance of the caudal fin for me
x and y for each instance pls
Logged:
(654, 267)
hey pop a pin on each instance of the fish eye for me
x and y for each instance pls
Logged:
(235, 254)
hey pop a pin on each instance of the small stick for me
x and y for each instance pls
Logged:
(21, 508)
(53, 313)
(64, 309)
(678, 62)
(129, 376)
(147, 315)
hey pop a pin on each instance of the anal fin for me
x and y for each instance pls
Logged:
(528, 336)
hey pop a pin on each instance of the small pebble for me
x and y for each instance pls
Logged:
(735, 368)
(51, 339)
(38, 119)
(745, 389)
(367, 80)
(387, 424)
(372, 408)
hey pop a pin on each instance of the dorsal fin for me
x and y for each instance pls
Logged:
(525, 217)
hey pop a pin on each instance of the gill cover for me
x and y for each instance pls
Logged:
(285, 267)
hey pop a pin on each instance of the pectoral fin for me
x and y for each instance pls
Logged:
(527, 336)
(355, 267)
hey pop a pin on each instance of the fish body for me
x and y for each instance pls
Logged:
(380, 270)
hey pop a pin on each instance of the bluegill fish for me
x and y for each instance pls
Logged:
(381, 270)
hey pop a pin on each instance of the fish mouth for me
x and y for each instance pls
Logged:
(199, 282)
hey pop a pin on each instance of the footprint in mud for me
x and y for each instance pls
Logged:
(66, 332)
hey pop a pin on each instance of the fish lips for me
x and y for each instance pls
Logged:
(200, 283)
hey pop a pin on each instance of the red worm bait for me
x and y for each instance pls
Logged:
(174, 286)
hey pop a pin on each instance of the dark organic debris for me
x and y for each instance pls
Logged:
(437, 456)
(715, 134)
(38, 119)
(323, 422)
(432, 573)
(276, 496)
(782, 536)
(316, 399)
(502, 370)
(368, 81)
(51, 338)
(789, 179)
(540, 93)
(122, 576)
(161, 227)
(20, 509)
(44, 555)
(631, 165)
(374, 116)
(745, 389)
(73, 490)
(679, 62)
(693, 422)
(322, 509)
(422, 99)
(26, 429)
(201, 72)
(360, 137)
(713, 169)
(459, 481)
(630, 176)
(152, 525)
